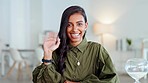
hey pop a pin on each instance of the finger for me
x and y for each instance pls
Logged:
(46, 38)
(52, 34)
(50, 39)
(58, 42)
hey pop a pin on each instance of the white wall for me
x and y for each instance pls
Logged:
(134, 22)
(19, 23)
(4, 20)
(35, 21)
(127, 17)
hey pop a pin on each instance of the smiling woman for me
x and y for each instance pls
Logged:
(70, 58)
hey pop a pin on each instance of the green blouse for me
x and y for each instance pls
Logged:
(95, 66)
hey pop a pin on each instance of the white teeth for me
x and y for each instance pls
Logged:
(75, 34)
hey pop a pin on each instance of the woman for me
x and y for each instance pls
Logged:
(69, 58)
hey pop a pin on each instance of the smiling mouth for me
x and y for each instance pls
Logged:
(74, 35)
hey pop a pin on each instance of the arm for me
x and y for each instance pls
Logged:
(46, 72)
(105, 70)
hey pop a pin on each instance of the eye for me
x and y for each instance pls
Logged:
(80, 24)
(69, 25)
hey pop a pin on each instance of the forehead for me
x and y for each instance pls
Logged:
(76, 17)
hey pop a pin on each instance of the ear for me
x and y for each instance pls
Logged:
(86, 25)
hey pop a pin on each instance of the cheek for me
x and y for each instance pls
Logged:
(83, 30)
(68, 30)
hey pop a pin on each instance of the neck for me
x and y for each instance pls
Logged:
(75, 43)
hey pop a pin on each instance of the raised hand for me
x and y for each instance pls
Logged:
(51, 43)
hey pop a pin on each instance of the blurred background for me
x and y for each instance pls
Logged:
(119, 25)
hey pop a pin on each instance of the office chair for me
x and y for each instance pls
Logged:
(16, 56)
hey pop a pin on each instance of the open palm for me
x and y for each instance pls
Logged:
(51, 42)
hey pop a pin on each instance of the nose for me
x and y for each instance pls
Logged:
(75, 28)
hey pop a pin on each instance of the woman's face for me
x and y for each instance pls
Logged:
(76, 28)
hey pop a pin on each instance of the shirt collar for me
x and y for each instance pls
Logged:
(81, 46)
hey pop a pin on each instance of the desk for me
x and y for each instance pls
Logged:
(4, 51)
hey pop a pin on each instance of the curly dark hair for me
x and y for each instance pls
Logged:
(63, 48)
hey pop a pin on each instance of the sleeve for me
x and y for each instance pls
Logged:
(105, 70)
(46, 74)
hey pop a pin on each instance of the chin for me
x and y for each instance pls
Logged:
(75, 40)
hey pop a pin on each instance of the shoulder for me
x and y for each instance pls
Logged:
(94, 44)
(100, 49)
(95, 47)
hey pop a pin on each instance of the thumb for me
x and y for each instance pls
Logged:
(58, 42)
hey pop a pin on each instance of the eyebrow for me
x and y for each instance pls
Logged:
(76, 22)
(79, 21)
